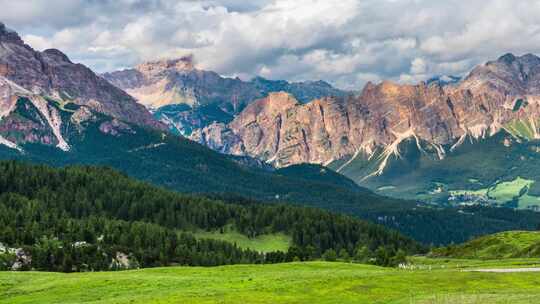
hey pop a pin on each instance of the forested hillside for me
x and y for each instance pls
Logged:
(87, 218)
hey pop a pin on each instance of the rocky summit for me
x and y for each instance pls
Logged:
(150, 82)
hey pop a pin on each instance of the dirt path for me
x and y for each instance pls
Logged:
(505, 270)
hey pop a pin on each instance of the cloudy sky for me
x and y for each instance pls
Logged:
(345, 42)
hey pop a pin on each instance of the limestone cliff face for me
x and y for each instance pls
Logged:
(158, 83)
(282, 131)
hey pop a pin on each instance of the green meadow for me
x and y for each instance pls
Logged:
(261, 243)
(506, 191)
(503, 245)
(521, 129)
(432, 281)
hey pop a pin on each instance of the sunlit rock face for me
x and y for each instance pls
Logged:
(283, 131)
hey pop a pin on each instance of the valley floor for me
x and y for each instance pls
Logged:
(431, 281)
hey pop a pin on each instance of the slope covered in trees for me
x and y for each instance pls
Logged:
(87, 218)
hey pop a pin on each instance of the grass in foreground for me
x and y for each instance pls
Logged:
(314, 282)
(422, 262)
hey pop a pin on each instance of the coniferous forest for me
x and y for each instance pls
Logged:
(93, 218)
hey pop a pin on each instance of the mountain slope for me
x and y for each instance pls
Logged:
(497, 170)
(182, 165)
(51, 74)
(282, 131)
(179, 164)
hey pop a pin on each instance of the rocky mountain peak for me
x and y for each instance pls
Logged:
(531, 58)
(9, 35)
(526, 61)
(369, 86)
(508, 75)
(263, 81)
(390, 89)
(275, 102)
(388, 92)
(183, 64)
(57, 55)
(507, 58)
(321, 83)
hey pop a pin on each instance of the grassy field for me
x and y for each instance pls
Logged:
(529, 202)
(471, 264)
(261, 243)
(503, 191)
(511, 244)
(521, 129)
(506, 191)
(313, 282)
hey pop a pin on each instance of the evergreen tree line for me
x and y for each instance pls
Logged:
(81, 218)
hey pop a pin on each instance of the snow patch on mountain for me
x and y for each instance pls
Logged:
(10, 144)
(393, 150)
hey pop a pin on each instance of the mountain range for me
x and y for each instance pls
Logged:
(401, 140)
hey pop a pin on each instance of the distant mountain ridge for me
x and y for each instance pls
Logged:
(186, 98)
